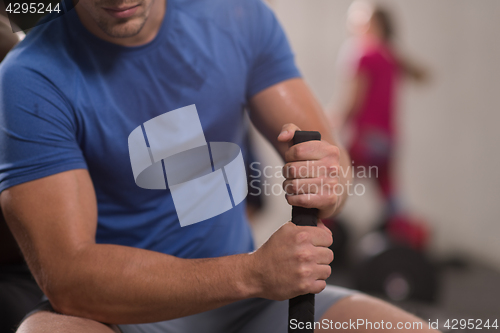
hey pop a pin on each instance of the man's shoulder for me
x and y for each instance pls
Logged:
(45, 51)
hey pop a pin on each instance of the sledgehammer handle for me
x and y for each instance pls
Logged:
(301, 308)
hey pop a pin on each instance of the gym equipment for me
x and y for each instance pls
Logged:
(389, 260)
(406, 230)
(301, 308)
(394, 269)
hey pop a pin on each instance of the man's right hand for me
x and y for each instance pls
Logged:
(294, 261)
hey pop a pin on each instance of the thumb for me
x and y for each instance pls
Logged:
(287, 132)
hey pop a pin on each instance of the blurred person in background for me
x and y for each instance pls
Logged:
(8, 39)
(372, 68)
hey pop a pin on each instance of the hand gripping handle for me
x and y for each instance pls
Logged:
(301, 308)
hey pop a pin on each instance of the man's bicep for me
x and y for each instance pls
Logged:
(38, 128)
(51, 218)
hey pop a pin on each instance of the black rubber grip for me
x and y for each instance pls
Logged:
(301, 308)
(304, 136)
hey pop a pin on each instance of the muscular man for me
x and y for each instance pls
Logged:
(110, 255)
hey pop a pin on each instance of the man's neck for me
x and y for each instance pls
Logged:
(146, 35)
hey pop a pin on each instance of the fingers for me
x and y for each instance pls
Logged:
(319, 201)
(321, 237)
(318, 286)
(322, 186)
(324, 256)
(322, 226)
(312, 277)
(310, 169)
(310, 151)
(312, 175)
(315, 286)
(315, 236)
(324, 272)
(287, 132)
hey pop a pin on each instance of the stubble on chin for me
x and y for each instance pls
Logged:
(122, 29)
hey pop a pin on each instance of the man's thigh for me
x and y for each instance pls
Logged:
(363, 313)
(247, 316)
(48, 321)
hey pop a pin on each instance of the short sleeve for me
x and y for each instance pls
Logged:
(37, 128)
(273, 60)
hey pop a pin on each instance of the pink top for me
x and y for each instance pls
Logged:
(378, 64)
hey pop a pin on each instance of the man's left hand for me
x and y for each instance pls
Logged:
(312, 173)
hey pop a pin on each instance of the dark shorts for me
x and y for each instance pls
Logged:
(19, 294)
(247, 316)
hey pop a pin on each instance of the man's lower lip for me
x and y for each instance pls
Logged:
(122, 13)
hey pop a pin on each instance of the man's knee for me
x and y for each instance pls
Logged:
(49, 322)
(369, 313)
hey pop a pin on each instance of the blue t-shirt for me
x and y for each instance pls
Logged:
(69, 100)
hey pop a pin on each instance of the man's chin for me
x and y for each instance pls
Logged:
(127, 29)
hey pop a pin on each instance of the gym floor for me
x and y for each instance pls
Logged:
(468, 291)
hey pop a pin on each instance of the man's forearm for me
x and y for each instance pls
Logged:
(118, 284)
(54, 221)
